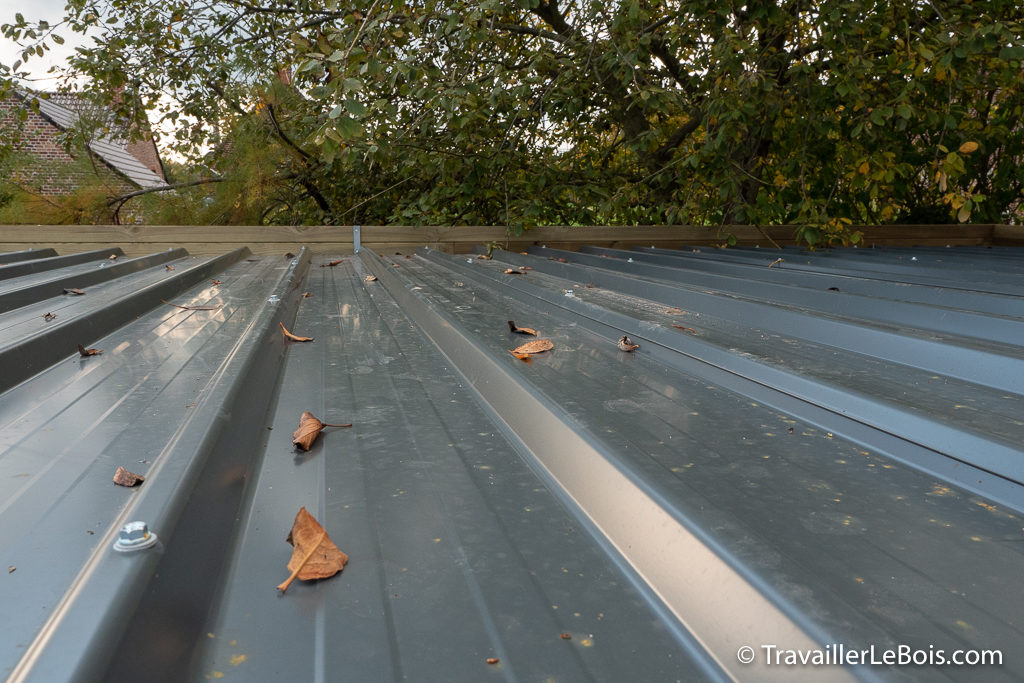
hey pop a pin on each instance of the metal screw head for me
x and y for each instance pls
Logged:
(134, 536)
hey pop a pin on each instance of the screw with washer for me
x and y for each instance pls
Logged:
(134, 536)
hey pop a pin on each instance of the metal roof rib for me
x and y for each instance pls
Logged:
(778, 463)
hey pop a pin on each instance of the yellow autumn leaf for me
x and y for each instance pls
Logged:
(864, 168)
(968, 147)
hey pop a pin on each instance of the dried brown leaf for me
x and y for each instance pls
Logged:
(492, 660)
(483, 257)
(125, 478)
(49, 316)
(521, 330)
(314, 555)
(776, 262)
(370, 278)
(289, 255)
(306, 295)
(513, 271)
(291, 336)
(309, 428)
(85, 353)
(688, 329)
(191, 308)
(112, 257)
(216, 282)
(11, 569)
(566, 636)
(169, 267)
(626, 344)
(75, 291)
(524, 351)
(332, 264)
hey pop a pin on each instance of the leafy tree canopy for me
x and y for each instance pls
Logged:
(819, 113)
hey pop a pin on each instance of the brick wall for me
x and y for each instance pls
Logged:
(39, 138)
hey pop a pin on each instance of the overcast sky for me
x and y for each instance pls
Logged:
(52, 11)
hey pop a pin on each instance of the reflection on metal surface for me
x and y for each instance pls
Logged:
(807, 450)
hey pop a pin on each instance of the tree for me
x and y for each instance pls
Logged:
(819, 113)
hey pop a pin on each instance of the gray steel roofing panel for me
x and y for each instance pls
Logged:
(45, 263)
(9, 257)
(652, 505)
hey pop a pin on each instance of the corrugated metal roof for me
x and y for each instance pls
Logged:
(62, 110)
(813, 451)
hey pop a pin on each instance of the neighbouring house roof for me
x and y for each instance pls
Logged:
(64, 111)
(806, 449)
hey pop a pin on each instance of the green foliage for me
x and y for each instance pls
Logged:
(823, 113)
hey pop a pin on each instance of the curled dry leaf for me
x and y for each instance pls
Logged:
(291, 336)
(306, 295)
(125, 478)
(49, 316)
(309, 428)
(370, 278)
(75, 291)
(513, 271)
(112, 257)
(216, 282)
(191, 308)
(169, 267)
(332, 264)
(626, 344)
(776, 262)
(289, 255)
(85, 353)
(483, 257)
(524, 351)
(521, 330)
(492, 660)
(314, 555)
(566, 636)
(687, 329)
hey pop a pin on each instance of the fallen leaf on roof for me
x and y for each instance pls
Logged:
(626, 344)
(833, 289)
(11, 569)
(314, 555)
(75, 291)
(291, 336)
(776, 262)
(513, 271)
(492, 660)
(589, 285)
(566, 636)
(49, 316)
(306, 295)
(169, 267)
(370, 278)
(191, 308)
(483, 257)
(216, 282)
(289, 255)
(309, 428)
(85, 353)
(521, 330)
(125, 478)
(688, 329)
(524, 351)
(112, 257)
(331, 264)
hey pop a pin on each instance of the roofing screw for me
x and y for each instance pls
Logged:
(134, 536)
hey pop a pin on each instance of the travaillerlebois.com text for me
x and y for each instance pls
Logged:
(837, 654)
